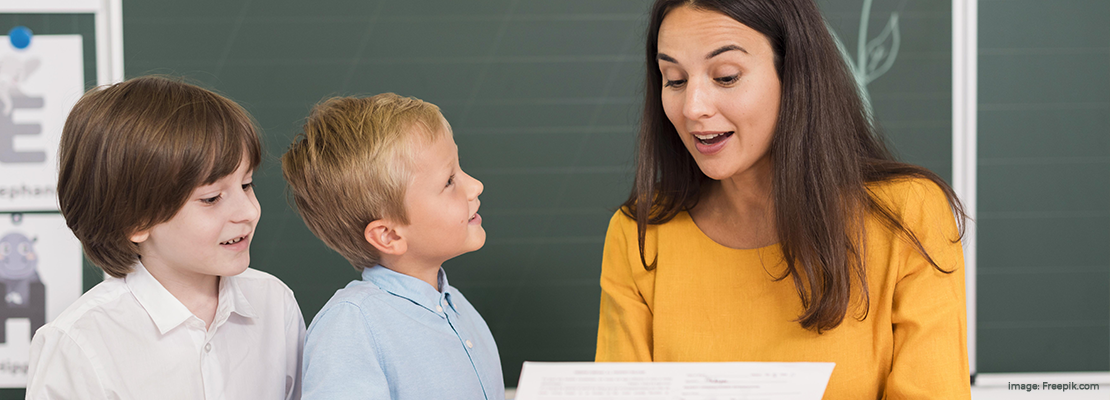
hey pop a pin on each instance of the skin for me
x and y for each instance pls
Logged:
(442, 206)
(189, 253)
(718, 77)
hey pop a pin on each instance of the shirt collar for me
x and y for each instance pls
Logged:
(232, 299)
(168, 312)
(411, 288)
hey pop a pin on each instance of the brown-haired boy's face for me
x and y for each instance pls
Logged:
(442, 205)
(210, 235)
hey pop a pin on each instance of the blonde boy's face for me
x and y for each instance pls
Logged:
(442, 204)
(210, 235)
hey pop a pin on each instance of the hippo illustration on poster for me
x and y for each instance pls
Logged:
(24, 295)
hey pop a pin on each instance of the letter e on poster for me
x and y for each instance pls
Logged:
(38, 86)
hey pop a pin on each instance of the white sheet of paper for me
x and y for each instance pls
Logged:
(673, 381)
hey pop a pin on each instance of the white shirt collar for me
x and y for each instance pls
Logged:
(232, 299)
(167, 312)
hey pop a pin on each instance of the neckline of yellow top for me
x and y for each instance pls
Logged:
(685, 218)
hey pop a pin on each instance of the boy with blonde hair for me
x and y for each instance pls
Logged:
(378, 180)
(156, 181)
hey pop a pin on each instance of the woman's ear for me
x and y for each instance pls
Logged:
(383, 236)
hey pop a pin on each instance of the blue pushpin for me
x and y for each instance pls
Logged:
(20, 37)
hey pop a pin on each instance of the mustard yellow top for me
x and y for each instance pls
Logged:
(707, 302)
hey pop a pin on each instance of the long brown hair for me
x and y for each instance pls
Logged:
(825, 150)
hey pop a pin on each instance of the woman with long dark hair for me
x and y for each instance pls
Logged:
(768, 221)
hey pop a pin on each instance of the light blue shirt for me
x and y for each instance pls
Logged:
(393, 336)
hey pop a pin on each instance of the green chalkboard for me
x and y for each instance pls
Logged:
(544, 98)
(1044, 191)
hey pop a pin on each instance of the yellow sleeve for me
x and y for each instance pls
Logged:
(624, 327)
(929, 313)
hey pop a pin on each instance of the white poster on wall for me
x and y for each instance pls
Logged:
(40, 275)
(38, 86)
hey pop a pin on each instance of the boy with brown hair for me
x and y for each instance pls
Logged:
(155, 180)
(378, 180)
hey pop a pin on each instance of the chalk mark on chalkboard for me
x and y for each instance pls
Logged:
(873, 58)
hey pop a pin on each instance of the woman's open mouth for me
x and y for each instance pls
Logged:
(711, 142)
(713, 138)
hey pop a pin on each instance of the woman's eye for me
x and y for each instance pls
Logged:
(728, 80)
(450, 180)
(211, 200)
(674, 83)
(248, 186)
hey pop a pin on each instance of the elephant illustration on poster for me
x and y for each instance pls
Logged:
(13, 74)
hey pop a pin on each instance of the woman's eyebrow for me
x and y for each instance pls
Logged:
(725, 48)
(714, 53)
(664, 57)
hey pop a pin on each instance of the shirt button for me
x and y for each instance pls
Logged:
(439, 309)
(208, 347)
(469, 345)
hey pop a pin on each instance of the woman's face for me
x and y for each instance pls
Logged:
(720, 90)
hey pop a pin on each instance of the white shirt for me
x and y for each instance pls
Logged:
(130, 338)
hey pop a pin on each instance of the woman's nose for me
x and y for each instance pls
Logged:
(698, 102)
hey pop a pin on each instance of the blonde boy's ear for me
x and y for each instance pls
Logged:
(140, 236)
(382, 235)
